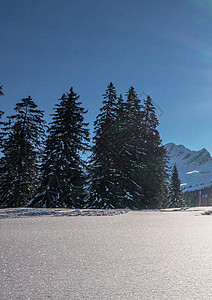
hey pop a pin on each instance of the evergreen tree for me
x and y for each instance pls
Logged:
(154, 172)
(120, 156)
(63, 176)
(103, 187)
(22, 146)
(175, 198)
(128, 163)
(132, 152)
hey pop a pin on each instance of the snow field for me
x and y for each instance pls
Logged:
(136, 255)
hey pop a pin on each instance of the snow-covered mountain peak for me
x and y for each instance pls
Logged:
(201, 157)
(180, 152)
(195, 167)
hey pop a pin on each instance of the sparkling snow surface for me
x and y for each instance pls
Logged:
(135, 255)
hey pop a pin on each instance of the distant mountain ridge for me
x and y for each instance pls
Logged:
(195, 167)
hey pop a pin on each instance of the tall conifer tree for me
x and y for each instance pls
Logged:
(132, 152)
(63, 176)
(129, 116)
(123, 197)
(128, 163)
(154, 173)
(102, 169)
(175, 198)
(22, 145)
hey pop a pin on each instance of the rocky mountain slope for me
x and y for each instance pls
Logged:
(195, 167)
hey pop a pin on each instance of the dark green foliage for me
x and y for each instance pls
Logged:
(128, 163)
(102, 166)
(154, 173)
(62, 172)
(175, 198)
(127, 167)
(191, 198)
(131, 155)
(22, 146)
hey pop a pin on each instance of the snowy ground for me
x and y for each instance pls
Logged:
(57, 212)
(97, 254)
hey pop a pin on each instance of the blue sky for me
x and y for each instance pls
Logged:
(161, 47)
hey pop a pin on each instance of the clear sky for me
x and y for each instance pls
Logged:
(161, 47)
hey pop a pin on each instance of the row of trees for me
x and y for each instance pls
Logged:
(126, 166)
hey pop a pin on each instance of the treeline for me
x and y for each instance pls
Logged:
(55, 165)
(198, 197)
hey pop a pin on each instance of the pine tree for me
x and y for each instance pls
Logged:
(120, 156)
(128, 163)
(142, 156)
(103, 187)
(22, 146)
(132, 153)
(63, 176)
(154, 171)
(175, 198)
